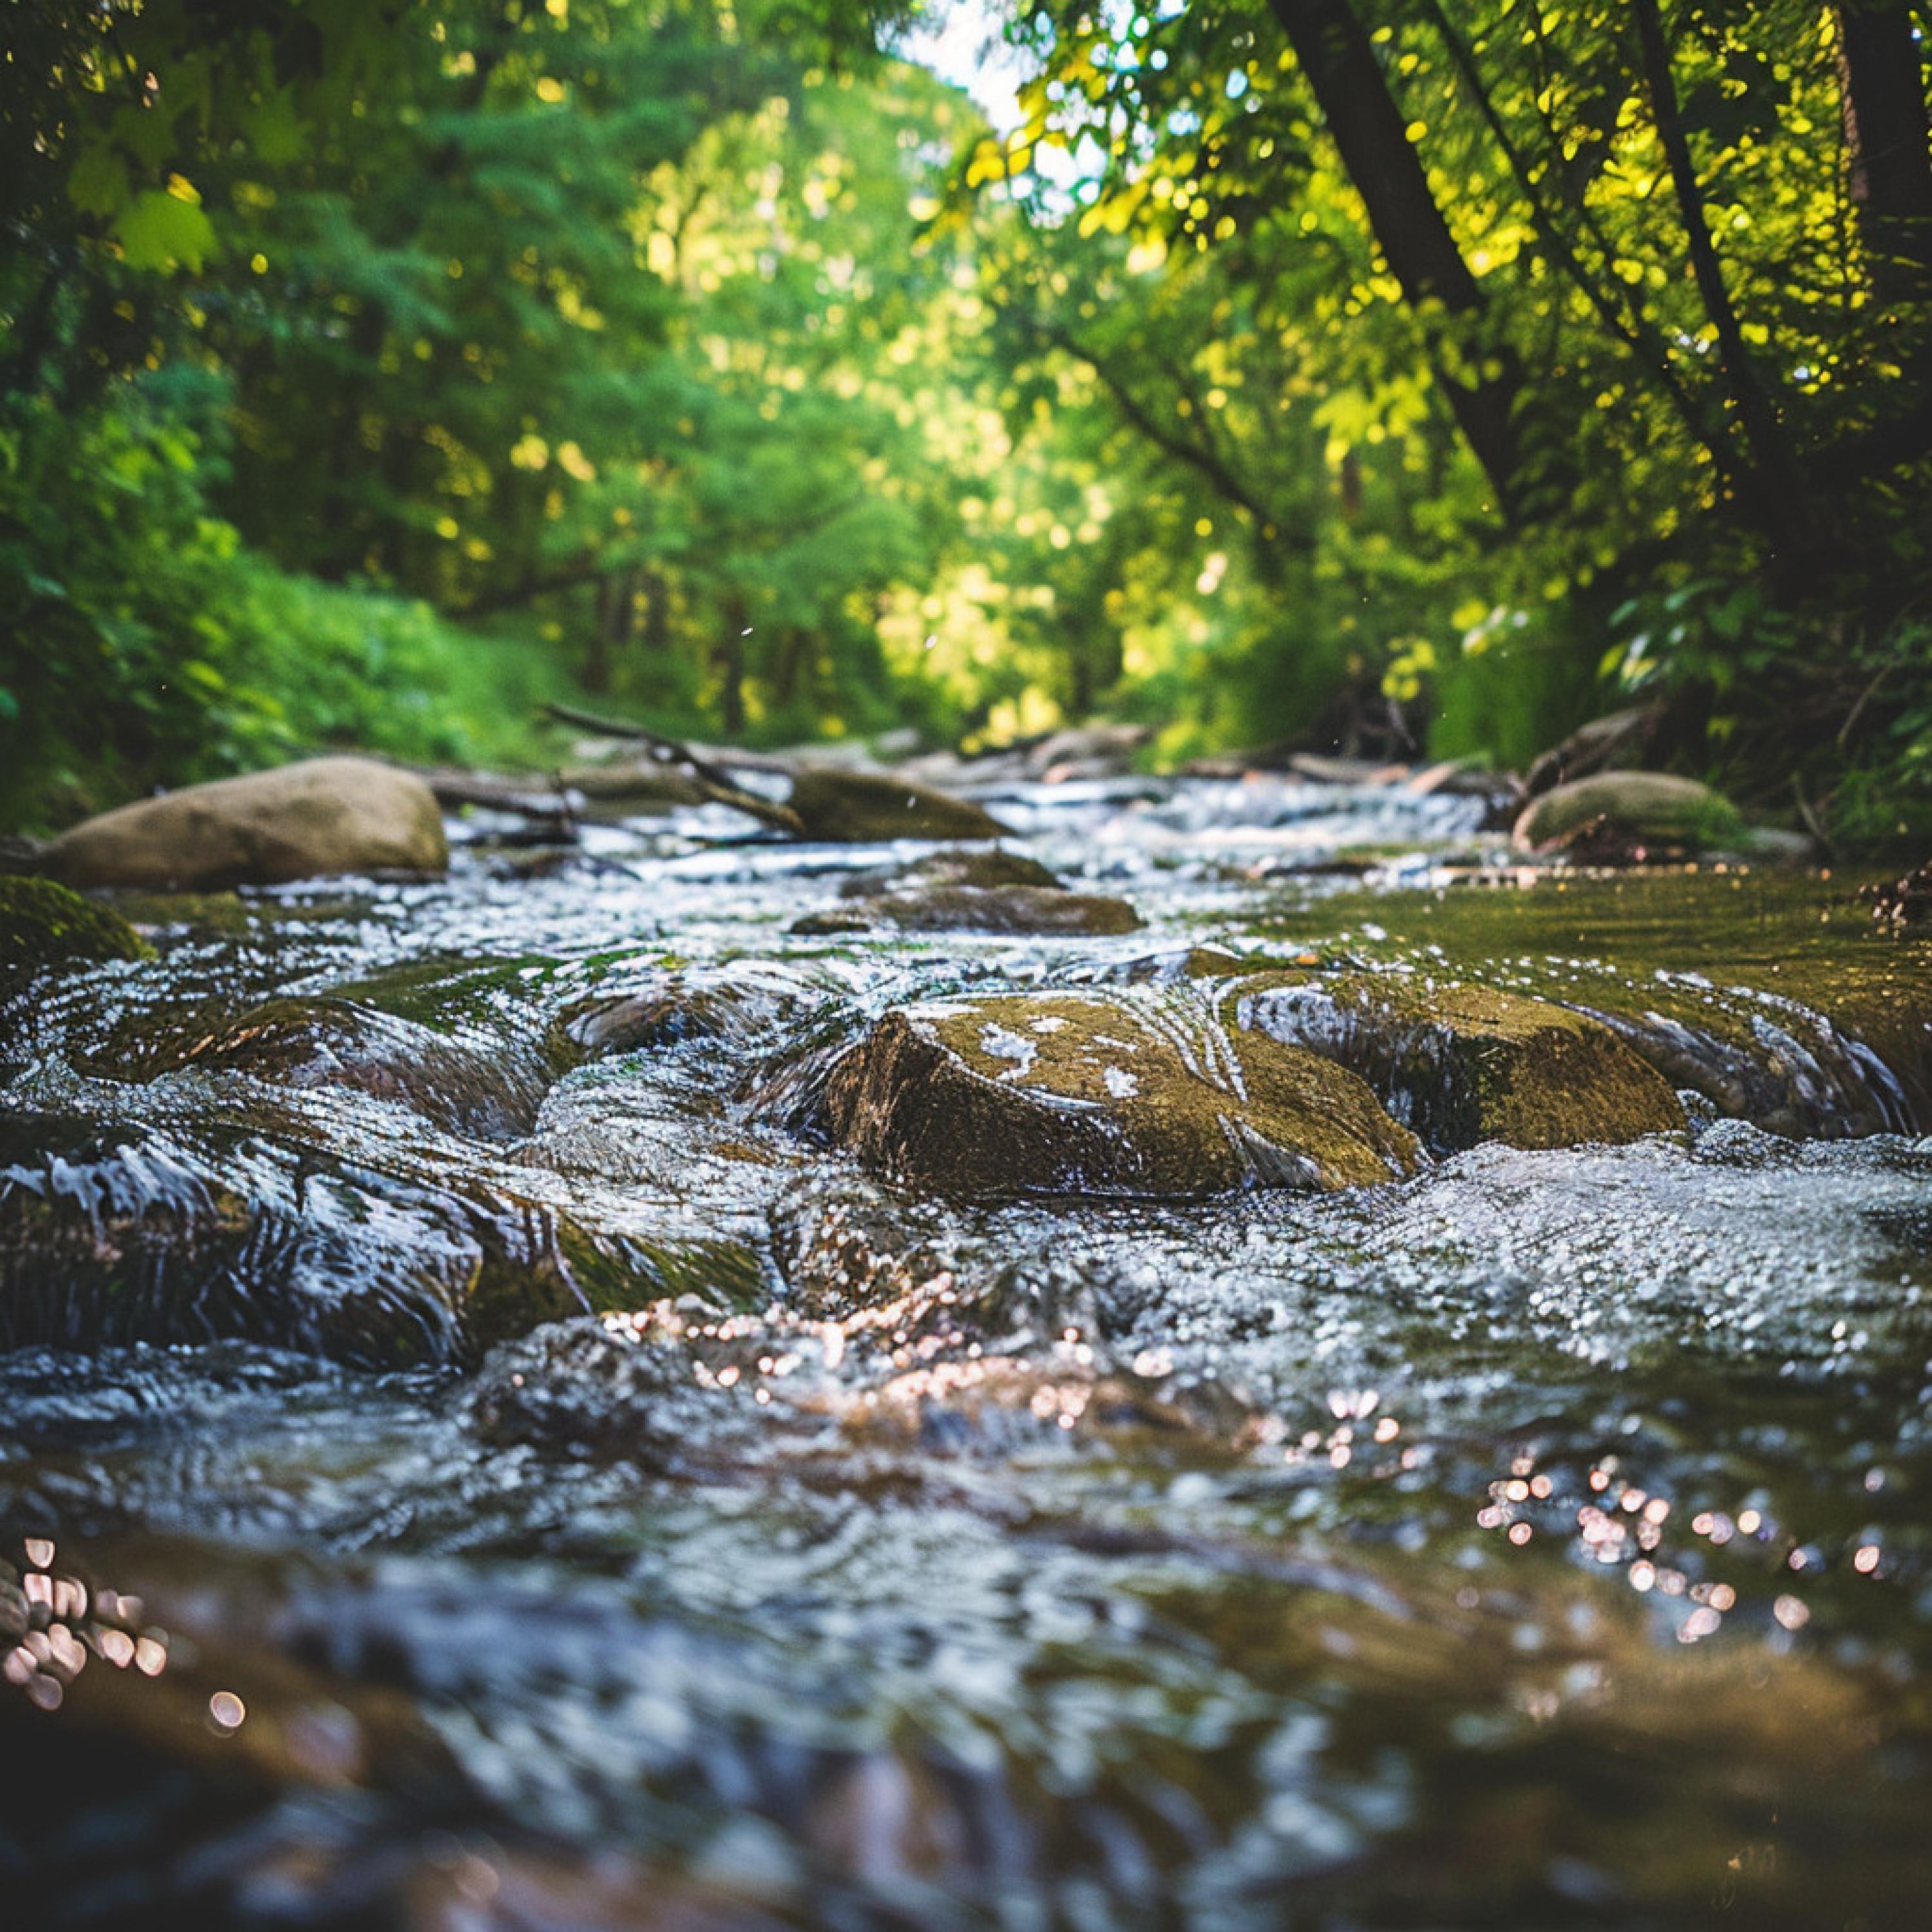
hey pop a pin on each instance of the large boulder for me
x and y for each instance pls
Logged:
(1460, 1064)
(43, 924)
(1059, 1093)
(1653, 809)
(862, 808)
(314, 820)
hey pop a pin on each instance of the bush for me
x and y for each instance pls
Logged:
(142, 643)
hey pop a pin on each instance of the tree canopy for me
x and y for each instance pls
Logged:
(1402, 375)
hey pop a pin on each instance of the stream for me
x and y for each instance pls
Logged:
(473, 1454)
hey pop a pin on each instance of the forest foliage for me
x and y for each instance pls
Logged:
(1399, 375)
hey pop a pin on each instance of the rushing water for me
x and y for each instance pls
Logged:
(1542, 1541)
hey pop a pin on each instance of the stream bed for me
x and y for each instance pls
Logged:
(472, 1454)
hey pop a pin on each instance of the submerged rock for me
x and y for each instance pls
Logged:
(983, 866)
(1083, 1093)
(989, 890)
(1653, 809)
(1461, 1064)
(252, 1224)
(1018, 909)
(739, 1004)
(576, 1385)
(43, 924)
(312, 1041)
(857, 807)
(1835, 1056)
(314, 820)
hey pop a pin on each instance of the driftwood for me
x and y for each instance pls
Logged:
(716, 783)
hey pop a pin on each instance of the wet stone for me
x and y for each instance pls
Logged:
(44, 924)
(652, 1402)
(492, 1093)
(984, 866)
(963, 890)
(856, 807)
(738, 1005)
(1069, 1094)
(1043, 910)
(1461, 1064)
(1852, 1057)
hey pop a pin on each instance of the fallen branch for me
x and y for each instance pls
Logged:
(465, 788)
(714, 782)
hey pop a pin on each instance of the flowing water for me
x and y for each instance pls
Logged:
(1541, 1541)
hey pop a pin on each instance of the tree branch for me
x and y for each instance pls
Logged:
(1773, 489)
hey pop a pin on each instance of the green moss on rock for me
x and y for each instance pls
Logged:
(1088, 1094)
(1463, 1063)
(947, 908)
(1653, 806)
(44, 924)
(986, 866)
(860, 808)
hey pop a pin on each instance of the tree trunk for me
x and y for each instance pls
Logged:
(1888, 144)
(1368, 127)
(730, 662)
(594, 674)
(793, 658)
(1772, 487)
(656, 594)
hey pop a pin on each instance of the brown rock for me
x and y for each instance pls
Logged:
(314, 820)
(1461, 1064)
(858, 807)
(1112, 1094)
(1014, 909)
(1653, 807)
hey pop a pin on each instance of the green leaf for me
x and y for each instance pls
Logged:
(158, 230)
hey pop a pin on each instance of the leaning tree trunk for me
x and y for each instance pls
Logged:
(1772, 487)
(1369, 129)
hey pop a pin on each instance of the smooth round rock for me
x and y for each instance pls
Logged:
(1461, 1064)
(1074, 1093)
(317, 819)
(1657, 806)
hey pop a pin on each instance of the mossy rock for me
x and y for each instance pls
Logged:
(984, 866)
(1461, 1064)
(864, 808)
(1656, 808)
(1086, 1093)
(44, 924)
(741, 1004)
(1037, 909)
(196, 915)
(319, 1042)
